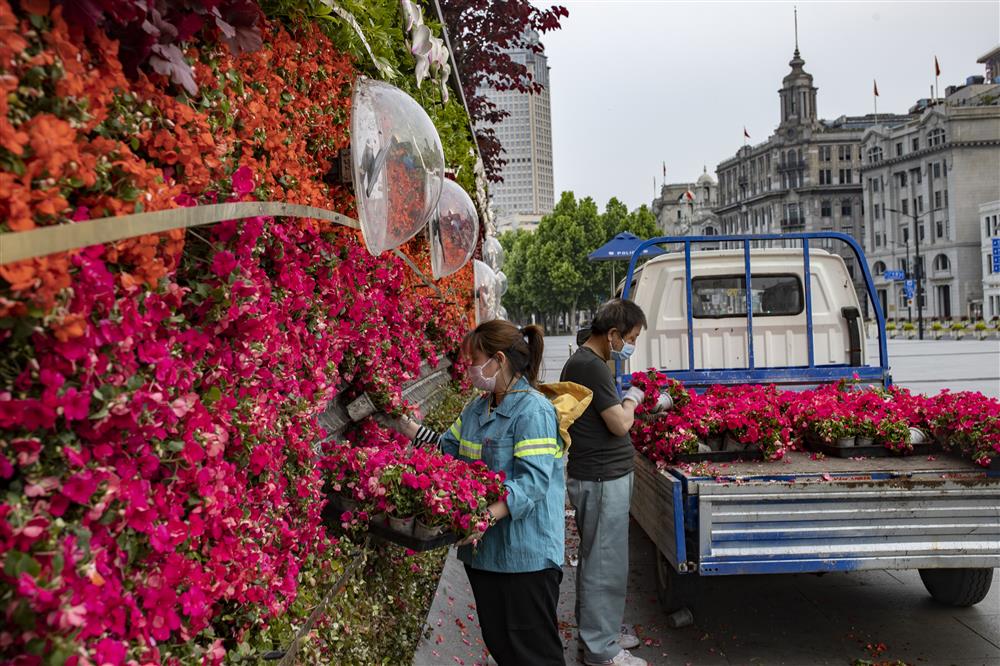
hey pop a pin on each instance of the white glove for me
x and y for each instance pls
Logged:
(633, 394)
(663, 403)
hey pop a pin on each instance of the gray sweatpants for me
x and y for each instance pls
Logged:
(602, 572)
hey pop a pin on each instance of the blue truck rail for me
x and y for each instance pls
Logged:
(807, 374)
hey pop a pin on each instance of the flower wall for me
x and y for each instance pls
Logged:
(775, 421)
(160, 480)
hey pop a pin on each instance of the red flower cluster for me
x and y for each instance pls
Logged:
(402, 481)
(764, 417)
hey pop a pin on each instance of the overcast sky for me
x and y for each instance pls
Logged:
(635, 84)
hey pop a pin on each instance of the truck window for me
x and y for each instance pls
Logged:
(725, 296)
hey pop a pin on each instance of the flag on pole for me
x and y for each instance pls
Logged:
(664, 169)
(937, 67)
(746, 135)
(875, 84)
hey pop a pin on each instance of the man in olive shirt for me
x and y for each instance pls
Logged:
(600, 483)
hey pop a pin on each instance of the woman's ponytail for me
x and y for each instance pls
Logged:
(534, 336)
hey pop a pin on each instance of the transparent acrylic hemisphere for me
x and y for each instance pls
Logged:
(487, 299)
(493, 253)
(454, 230)
(397, 162)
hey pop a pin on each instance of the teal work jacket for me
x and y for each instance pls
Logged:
(519, 438)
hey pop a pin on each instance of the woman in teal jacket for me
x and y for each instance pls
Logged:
(515, 567)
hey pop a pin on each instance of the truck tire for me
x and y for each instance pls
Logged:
(673, 590)
(957, 587)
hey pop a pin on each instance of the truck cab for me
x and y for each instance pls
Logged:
(719, 305)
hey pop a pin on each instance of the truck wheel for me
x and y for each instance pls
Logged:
(957, 587)
(673, 590)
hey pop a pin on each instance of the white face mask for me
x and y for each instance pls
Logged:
(623, 353)
(480, 381)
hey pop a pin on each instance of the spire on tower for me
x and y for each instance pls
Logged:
(795, 11)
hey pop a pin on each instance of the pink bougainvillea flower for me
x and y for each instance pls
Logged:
(243, 181)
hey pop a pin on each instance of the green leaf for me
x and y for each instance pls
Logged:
(212, 395)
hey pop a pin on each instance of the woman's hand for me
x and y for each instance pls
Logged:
(494, 512)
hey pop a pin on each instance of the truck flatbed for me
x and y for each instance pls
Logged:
(803, 467)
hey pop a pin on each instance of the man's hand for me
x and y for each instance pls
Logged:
(663, 403)
(634, 394)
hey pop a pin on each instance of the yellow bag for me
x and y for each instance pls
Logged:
(570, 400)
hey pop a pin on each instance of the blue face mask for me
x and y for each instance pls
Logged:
(623, 353)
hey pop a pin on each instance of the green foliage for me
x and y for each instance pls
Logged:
(548, 271)
(377, 619)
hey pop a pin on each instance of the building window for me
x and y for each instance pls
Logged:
(844, 153)
(937, 200)
(825, 177)
(902, 178)
(946, 198)
(845, 176)
(935, 137)
(824, 153)
(899, 149)
(845, 208)
(920, 204)
(875, 184)
(941, 263)
(878, 267)
(906, 206)
(904, 231)
(877, 212)
(937, 169)
(874, 154)
(920, 231)
(939, 229)
(916, 143)
(826, 210)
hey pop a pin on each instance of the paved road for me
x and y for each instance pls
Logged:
(794, 619)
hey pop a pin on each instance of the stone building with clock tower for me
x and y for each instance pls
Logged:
(805, 177)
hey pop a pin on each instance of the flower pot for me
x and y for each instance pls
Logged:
(730, 443)
(917, 436)
(402, 525)
(347, 503)
(860, 440)
(426, 532)
(844, 442)
(714, 442)
(941, 436)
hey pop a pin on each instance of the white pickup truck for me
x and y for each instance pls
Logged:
(941, 515)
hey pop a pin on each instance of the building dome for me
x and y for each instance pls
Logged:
(705, 179)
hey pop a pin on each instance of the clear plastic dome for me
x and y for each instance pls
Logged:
(487, 301)
(454, 229)
(502, 313)
(501, 281)
(493, 253)
(397, 162)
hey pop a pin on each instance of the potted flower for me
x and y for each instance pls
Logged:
(958, 329)
(981, 329)
(403, 496)
(938, 329)
(890, 328)
(909, 330)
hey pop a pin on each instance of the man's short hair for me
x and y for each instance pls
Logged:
(617, 313)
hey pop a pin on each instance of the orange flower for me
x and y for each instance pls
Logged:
(52, 141)
(70, 326)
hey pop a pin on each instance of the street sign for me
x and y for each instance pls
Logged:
(894, 275)
(996, 255)
(909, 287)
